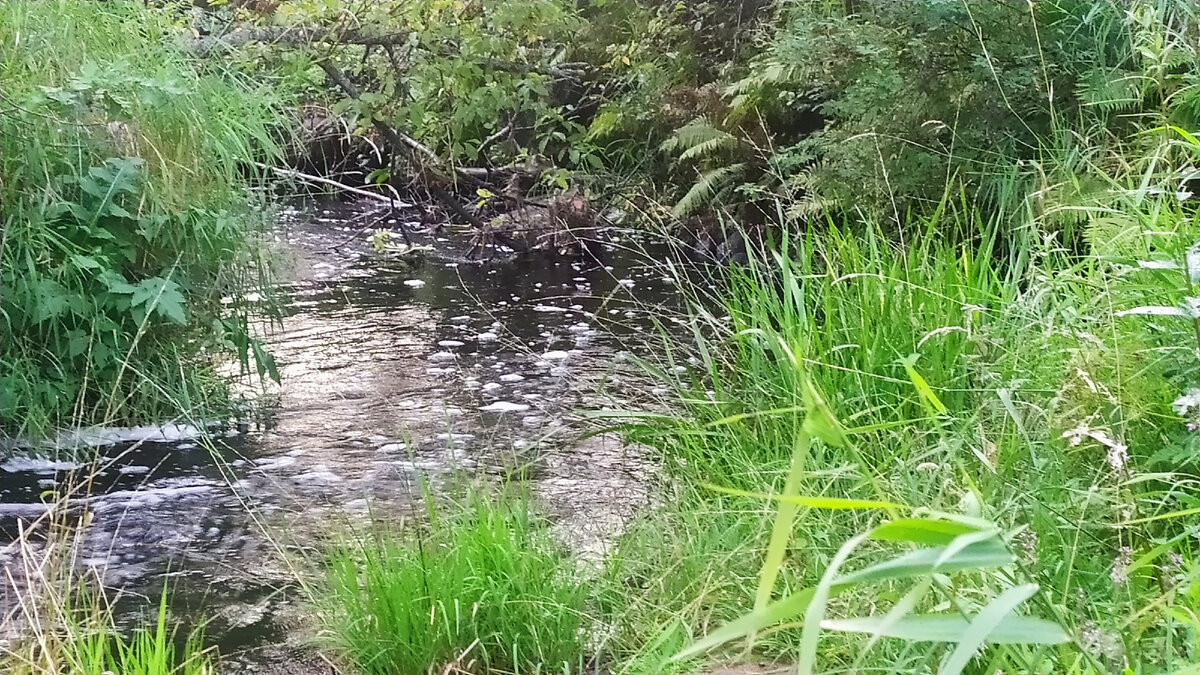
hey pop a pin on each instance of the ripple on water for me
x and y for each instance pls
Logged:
(364, 364)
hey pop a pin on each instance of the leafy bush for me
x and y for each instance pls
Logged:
(484, 589)
(124, 216)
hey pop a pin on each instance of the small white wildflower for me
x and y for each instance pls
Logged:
(1120, 568)
(1192, 260)
(1191, 306)
(1075, 436)
(1118, 453)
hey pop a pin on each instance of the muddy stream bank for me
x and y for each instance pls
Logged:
(393, 370)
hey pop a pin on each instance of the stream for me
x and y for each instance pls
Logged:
(393, 372)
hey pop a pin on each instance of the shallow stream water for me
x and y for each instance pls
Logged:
(393, 371)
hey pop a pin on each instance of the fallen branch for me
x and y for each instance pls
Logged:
(290, 35)
(309, 178)
(308, 35)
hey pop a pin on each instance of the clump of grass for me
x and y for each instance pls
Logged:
(65, 625)
(482, 588)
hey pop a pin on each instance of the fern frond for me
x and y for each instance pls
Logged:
(710, 147)
(697, 132)
(1109, 89)
(711, 185)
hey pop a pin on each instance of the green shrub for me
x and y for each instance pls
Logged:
(483, 589)
(125, 217)
(912, 96)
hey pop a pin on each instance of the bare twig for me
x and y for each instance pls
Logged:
(487, 142)
(309, 178)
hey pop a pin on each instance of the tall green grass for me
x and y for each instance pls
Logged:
(481, 588)
(1007, 380)
(124, 212)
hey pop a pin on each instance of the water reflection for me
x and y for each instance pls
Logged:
(385, 381)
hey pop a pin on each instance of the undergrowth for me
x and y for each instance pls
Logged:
(64, 623)
(124, 213)
(1042, 396)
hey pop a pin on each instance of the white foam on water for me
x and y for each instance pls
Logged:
(37, 466)
(414, 283)
(133, 469)
(504, 407)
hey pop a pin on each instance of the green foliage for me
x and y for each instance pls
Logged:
(76, 635)
(913, 96)
(980, 377)
(486, 586)
(124, 217)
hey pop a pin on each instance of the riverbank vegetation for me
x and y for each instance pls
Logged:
(481, 587)
(64, 623)
(126, 218)
(940, 414)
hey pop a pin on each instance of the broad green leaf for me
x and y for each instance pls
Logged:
(757, 620)
(1012, 629)
(115, 282)
(962, 541)
(814, 614)
(987, 621)
(980, 555)
(901, 610)
(921, 531)
(264, 361)
(85, 262)
(820, 421)
(161, 295)
(781, 530)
